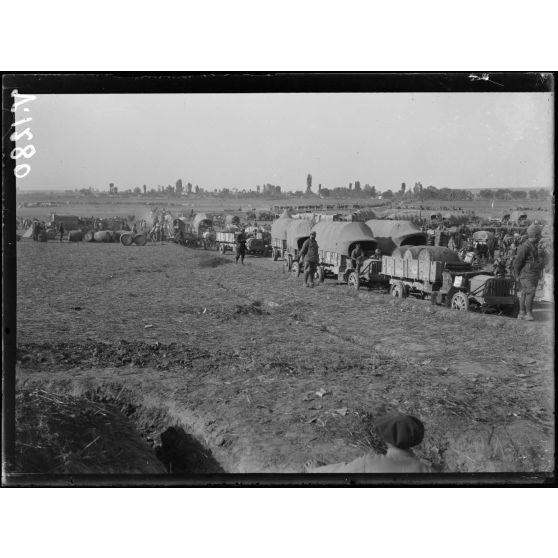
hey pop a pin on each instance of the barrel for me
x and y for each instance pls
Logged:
(398, 252)
(103, 236)
(126, 239)
(438, 254)
(43, 236)
(411, 252)
(89, 236)
(75, 236)
(140, 239)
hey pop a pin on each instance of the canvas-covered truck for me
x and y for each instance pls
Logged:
(518, 218)
(336, 241)
(437, 273)
(287, 237)
(202, 222)
(183, 233)
(392, 234)
(298, 231)
(279, 235)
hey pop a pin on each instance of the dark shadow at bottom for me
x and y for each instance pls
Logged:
(182, 454)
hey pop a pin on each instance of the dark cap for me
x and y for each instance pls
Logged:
(312, 233)
(401, 431)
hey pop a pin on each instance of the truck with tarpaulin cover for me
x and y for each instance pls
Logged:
(391, 234)
(336, 241)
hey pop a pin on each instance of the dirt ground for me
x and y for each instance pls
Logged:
(262, 375)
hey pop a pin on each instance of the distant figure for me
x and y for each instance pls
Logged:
(35, 230)
(378, 254)
(528, 269)
(400, 433)
(310, 256)
(240, 247)
(134, 229)
(61, 231)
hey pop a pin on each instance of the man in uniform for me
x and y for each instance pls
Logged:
(61, 231)
(357, 255)
(400, 433)
(527, 268)
(309, 255)
(240, 246)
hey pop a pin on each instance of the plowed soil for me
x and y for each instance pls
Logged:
(266, 374)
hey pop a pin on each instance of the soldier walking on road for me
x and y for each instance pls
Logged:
(527, 268)
(309, 255)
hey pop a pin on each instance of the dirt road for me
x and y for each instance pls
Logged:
(266, 374)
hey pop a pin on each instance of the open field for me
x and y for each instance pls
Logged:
(225, 361)
(140, 206)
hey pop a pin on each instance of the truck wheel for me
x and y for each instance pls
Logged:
(295, 269)
(460, 301)
(353, 280)
(449, 296)
(399, 290)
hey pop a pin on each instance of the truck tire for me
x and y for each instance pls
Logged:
(353, 280)
(460, 301)
(449, 296)
(289, 261)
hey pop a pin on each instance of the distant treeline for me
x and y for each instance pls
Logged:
(271, 191)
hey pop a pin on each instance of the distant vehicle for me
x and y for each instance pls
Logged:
(518, 218)
(255, 243)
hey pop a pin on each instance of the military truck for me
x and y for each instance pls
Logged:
(336, 241)
(436, 273)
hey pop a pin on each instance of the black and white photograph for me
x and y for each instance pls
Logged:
(286, 279)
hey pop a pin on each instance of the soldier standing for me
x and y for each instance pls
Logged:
(240, 247)
(61, 231)
(357, 255)
(527, 268)
(310, 256)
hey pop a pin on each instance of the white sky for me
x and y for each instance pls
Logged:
(455, 140)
